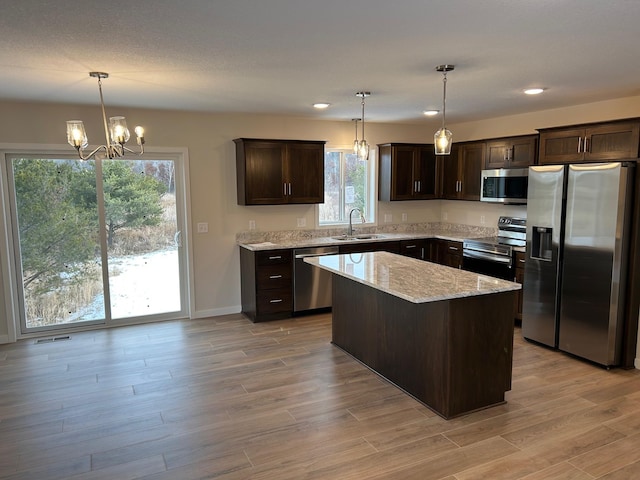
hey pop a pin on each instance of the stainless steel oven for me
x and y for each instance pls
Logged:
(493, 256)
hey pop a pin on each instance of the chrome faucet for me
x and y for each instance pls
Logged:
(350, 227)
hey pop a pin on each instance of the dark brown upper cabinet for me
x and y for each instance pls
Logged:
(407, 172)
(590, 143)
(461, 171)
(275, 172)
(512, 152)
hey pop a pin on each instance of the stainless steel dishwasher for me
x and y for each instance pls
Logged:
(311, 285)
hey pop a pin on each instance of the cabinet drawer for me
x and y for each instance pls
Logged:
(274, 276)
(412, 248)
(274, 301)
(273, 257)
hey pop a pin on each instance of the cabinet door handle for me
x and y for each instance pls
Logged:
(284, 189)
(453, 248)
(521, 261)
(419, 186)
(275, 257)
(275, 300)
(410, 246)
(273, 277)
(289, 188)
(579, 144)
(586, 144)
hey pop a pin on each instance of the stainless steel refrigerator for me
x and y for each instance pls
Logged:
(575, 272)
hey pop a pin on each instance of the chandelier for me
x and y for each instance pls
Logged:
(443, 138)
(115, 131)
(361, 147)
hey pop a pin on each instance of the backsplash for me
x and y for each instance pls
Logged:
(455, 229)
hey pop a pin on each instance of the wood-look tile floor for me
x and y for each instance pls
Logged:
(224, 398)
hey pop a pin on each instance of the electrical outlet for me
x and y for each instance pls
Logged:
(252, 224)
(404, 217)
(482, 219)
(302, 222)
(445, 215)
(388, 218)
(203, 227)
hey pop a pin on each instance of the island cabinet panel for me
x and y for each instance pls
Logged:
(407, 172)
(272, 172)
(590, 143)
(455, 356)
(266, 286)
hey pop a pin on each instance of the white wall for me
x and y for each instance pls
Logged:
(212, 170)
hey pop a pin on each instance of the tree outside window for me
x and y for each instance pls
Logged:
(347, 185)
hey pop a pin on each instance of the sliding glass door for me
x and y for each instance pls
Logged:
(97, 241)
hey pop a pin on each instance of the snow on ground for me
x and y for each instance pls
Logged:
(139, 285)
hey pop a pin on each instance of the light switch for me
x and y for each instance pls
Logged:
(203, 227)
(302, 222)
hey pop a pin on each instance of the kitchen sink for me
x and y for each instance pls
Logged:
(362, 236)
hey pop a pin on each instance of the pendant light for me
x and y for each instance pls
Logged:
(362, 145)
(443, 138)
(356, 143)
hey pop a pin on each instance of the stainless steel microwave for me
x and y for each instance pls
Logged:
(505, 185)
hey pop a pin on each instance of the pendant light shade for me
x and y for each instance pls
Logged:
(361, 148)
(443, 138)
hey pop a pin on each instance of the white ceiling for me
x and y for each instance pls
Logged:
(281, 56)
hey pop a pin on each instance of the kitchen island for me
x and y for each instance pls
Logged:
(443, 335)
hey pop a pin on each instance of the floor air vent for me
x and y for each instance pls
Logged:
(53, 339)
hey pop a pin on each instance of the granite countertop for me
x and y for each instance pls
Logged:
(411, 279)
(283, 240)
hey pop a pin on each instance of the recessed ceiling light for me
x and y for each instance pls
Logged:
(431, 113)
(534, 91)
(321, 105)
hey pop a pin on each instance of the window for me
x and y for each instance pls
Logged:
(348, 183)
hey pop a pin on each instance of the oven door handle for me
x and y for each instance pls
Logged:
(487, 256)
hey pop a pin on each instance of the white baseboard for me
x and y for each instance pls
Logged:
(637, 363)
(5, 339)
(216, 312)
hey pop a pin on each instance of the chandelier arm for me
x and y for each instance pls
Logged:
(93, 152)
(127, 149)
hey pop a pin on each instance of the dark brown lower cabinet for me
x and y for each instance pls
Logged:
(266, 284)
(519, 277)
